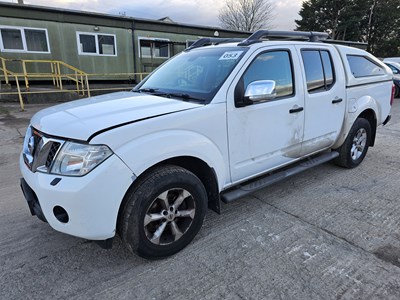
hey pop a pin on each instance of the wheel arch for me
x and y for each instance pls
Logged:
(370, 116)
(204, 172)
(198, 167)
(367, 113)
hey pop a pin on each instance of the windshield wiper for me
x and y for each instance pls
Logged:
(183, 96)
(146, 90)
(156, 92)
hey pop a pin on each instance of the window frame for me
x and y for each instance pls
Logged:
(23, 38)
(325, 89)
(293, 94)
(96, 40)
(152, 51)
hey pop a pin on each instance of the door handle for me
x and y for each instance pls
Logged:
(337, 101)
(296, 110)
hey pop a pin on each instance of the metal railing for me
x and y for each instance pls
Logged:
(8, 74)
(57, 72)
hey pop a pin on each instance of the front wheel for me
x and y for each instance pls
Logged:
(164, 212)
(355, 147)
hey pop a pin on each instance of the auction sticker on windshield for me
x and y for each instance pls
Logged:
(231, 55)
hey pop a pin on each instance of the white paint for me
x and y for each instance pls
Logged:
(80, 119)
(295, 249)
(238, 143)
(91, 204)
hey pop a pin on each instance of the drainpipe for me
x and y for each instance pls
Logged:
(134, 48)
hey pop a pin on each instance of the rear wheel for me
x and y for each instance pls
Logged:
(396, 91)
(164, 212)
(355, 147)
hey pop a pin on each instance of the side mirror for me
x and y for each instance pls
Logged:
(395, 71)
(261, 90)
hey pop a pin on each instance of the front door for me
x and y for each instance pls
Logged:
(265, 135)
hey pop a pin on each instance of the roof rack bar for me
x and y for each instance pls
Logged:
(213, 41)
(256, 37)
(360, 45)
(311, 36)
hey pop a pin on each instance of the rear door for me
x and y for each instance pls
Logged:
(268, 134)
(324, 107)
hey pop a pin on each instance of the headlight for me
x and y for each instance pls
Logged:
(79, 159)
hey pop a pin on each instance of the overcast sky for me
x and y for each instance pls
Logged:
(198, 12)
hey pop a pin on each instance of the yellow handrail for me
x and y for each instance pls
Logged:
(58, 72)
(4, 69)
(9, 73)
(55, 72)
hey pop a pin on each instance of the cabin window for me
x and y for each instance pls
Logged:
(155, 48)
(96, 44)
(362, 66)
(23, 39)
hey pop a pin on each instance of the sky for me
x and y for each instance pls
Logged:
(197, 12)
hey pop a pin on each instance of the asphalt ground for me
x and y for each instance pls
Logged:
(328, 233)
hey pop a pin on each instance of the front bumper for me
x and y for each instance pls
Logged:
(32, 200)
(91, 201)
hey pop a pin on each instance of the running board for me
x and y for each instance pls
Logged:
(246, 189)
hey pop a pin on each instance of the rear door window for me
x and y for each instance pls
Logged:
(319, 70)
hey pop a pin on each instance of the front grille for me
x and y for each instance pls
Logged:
(52, 154)
(40, 150)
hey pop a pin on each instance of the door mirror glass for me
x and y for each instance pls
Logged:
(261, 90)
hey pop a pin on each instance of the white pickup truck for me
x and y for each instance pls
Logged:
(216, 122)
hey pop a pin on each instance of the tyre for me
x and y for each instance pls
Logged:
(164, 212)
(355, 147)
(396, 91)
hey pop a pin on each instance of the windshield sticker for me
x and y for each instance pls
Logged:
(230, 55)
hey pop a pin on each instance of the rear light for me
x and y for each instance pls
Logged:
(393, 91)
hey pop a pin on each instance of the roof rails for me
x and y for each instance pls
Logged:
(213, 41)
(311, 36)
(258, 36)
(360, 45)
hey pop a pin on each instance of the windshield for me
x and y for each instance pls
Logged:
(195, 75)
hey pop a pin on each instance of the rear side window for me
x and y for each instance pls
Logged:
(361, 66)
(319, 70)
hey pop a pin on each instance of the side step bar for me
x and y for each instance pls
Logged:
(246, 189)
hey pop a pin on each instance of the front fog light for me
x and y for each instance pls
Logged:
(76, 159)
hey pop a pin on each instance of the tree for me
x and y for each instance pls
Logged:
(340, 18)
(383, 30)
(375, 22)
(246, 15)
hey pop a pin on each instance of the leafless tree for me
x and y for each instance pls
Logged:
(247, 15)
